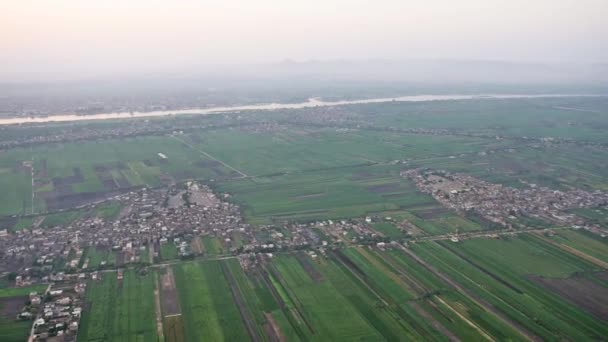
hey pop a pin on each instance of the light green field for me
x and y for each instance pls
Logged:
(329, 194)
(119, 310)
(498, 271)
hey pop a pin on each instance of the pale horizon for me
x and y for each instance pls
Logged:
(77, 39)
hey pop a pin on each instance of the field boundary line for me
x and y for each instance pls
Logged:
(575, 252)
(173, 315)
(475, 299)
(158, 310)
(210, 156)
(473, 325)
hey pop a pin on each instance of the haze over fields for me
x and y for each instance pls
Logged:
(72, 39)
(320, 170)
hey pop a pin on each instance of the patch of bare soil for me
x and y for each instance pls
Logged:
(272, 329)
(11, 306)
(384, 188)
(431, 213)
(170, 300)
(197, 246)
(583, 292)
(307, 265)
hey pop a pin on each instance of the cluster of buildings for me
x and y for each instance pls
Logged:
(148, 220)
(501, 204)
(151, 219)
(55, 314)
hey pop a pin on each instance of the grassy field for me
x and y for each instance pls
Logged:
(119, 310)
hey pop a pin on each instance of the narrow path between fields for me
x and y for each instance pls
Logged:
(479, 301)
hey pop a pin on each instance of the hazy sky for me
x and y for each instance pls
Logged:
(100, 37)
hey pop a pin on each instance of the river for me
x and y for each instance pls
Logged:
(271, 106)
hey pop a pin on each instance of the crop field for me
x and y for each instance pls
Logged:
(543, 117)
(119, 310)
(560, 167)
(66, 175)
(168, 251)
(212, 245)
(387, 295)
(505, 273)
(297, 148)
(99, 256)
(328, 194)
(209, 310)
(586, 245)
(479, 289)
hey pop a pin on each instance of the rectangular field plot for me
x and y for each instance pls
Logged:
(337, 193)
(209, 311)
(587, 245)
(513, 276)
(119, 309)
(294, 149)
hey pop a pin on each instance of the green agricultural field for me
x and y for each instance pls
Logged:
(212, 245)
(210, 314)
(540, 117)
(119, 310)
(15, 182)
(98, 256)
(108, 211)
(168, 251)
(299, 148)
(583, 241)
(327, 194)
(388, 229)
(506, 273)
(92, 167)
(318, 307)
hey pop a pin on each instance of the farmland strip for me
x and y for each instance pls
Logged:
(236, 296)
(436, 324)
(479, 267)
(484, 304)
(574, 251)
(159, 314)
